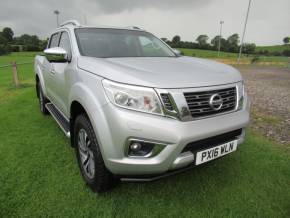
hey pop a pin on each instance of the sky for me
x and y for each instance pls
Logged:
(268, 24)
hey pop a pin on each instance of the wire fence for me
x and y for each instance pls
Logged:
(14, 66)
(13, 63)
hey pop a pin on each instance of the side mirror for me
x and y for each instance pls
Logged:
(56, 54)
(177, 52)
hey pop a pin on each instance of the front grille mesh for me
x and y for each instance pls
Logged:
(198, 102)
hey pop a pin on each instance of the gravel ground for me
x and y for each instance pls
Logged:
(269, 91)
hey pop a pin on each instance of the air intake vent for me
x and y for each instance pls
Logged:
(212, 141)
(166, 101)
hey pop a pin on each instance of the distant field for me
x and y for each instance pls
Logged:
(207, 53)
(17, 56)
(273, 48)
(232, 57)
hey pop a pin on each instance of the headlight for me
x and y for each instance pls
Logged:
(240, 95)
(133, 97)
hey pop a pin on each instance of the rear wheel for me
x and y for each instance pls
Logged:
(89, 157)
(42, 100)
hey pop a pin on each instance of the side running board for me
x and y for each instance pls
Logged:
(59, 118)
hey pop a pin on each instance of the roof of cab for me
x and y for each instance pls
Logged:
(75, 24)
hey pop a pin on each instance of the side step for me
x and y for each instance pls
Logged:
(59, 118)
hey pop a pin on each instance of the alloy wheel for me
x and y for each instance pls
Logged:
(86, 154)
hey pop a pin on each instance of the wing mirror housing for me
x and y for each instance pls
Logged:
(177, 52)
(57, 54)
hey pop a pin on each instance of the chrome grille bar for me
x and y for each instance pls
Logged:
(199, 102)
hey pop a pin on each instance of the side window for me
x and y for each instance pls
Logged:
(65, 43)
(54, 40)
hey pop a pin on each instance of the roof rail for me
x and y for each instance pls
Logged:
(72, 22)
(134, 28)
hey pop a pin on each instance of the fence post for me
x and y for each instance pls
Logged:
(15, 74)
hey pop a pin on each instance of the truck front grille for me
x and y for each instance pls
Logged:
(200, 104)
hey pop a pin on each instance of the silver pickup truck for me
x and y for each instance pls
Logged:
(135, 109)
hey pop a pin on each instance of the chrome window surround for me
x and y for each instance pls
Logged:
(180, 106)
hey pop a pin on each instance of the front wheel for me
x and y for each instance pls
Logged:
(89, 156)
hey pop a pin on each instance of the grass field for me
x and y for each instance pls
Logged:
(273, 48)
(232, 57)
(39, 176)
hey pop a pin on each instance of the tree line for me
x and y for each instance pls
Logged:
(25, 42)
(230, 44)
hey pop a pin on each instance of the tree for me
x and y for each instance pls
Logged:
(175, 43)
(249, 48)
(202, 40)
(286, 40)
(286, 53)
(26, 39)
(4, 48)
(30, 42)
(176, 39)
(164, 39)
(233, 43)
(234, 39)
(43, 44)
(215, 42)
(8, 34)
(3, 40)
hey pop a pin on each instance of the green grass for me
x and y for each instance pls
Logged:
(25, 73)
(273, 48)
(17, 56)
(266, 118)
(39, 176)
(206, 53)
(229, 56)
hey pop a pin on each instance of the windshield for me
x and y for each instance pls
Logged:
(106, 43)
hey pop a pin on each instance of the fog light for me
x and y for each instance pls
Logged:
(140, 148)
(135, 146)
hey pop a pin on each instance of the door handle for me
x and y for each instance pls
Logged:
(52, 71)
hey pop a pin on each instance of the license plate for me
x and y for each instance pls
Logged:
(216, 152)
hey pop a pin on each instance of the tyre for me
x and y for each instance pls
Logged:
(89, 156)
(42, 100)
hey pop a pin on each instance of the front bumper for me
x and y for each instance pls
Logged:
(118, 125)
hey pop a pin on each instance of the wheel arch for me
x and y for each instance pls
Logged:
(36, 85)
(76, 109)
(39, 80)
(89, 98)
